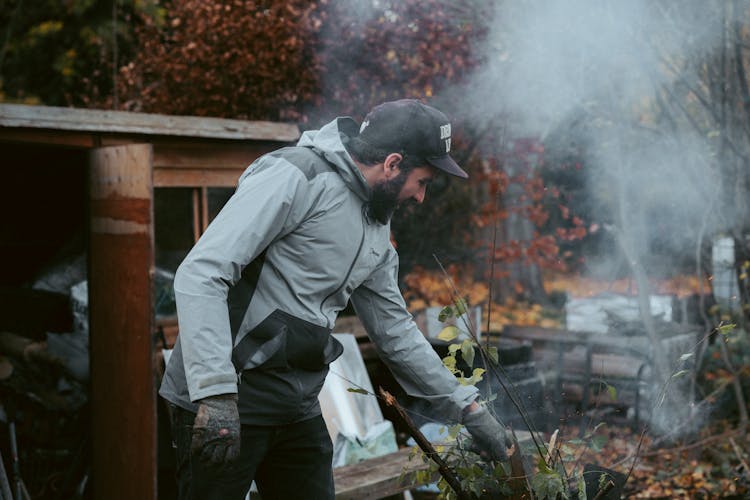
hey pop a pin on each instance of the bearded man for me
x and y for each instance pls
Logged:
(306, 232)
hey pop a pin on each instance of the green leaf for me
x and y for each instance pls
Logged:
(453, 348)
(357, 390)
(548, 485)
(450, 363)
(602, 480)
(422, 477)
(445, 313)
(492, 354)
(680, 373)
(686, 356)
(598, 442)
(461, 307)
(453, 430)
(581, 488)
(499, 471)
(612, 392)
(543, 467)
(467, 352)
(448, 333)
(726, 329)
(475, 377)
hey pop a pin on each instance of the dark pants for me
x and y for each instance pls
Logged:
(286, 461)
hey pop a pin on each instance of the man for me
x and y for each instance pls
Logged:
(307, 231)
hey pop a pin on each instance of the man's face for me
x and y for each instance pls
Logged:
(388, 195)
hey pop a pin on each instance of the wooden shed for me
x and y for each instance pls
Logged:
(105, 174)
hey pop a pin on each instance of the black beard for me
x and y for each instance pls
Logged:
(384, 199)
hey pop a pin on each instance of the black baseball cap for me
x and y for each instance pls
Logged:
(412, 128)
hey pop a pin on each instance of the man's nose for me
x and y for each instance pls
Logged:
(419, 197)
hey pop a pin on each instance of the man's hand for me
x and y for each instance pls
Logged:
(488, 434)
(216, 431)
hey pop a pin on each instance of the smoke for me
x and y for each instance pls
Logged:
(591, 73)
(546, 60)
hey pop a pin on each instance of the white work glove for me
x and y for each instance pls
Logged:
(488, 434)
(216, 430)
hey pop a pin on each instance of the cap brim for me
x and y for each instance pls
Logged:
(447, 165)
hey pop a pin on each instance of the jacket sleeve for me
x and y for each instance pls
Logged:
(270, 200)
(405, 350)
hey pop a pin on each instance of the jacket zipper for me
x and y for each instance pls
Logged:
(351, 267)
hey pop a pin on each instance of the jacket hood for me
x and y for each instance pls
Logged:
(329, 141)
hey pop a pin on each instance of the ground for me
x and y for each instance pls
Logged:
(710, 465)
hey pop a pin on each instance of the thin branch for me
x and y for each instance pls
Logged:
(739, 455)
(450, 477)
(698, 444)
(492, 368)
(604, 490)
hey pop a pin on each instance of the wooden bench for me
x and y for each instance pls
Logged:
(378, 477)
(391, 474)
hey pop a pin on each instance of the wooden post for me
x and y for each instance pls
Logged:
(204, 209)
(123, 392)
(196, 214)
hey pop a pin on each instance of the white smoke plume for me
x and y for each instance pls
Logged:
(589, 72)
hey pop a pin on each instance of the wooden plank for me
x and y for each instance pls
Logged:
(123, 392)
(540, 334)
(196, 178)
(48, 137)
(377, 477)
(570, 337)
(170, 328)
(603, 365)
(391, 474)
(209, 154)
(93, 120)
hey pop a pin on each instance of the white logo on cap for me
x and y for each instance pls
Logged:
(445, 133)
(364, 125)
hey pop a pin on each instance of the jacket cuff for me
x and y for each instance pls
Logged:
(213, 390)
(461, 398)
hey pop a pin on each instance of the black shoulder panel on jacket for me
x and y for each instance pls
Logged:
(306, 159)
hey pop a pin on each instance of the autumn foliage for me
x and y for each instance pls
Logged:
(283, 60)
(229, 59)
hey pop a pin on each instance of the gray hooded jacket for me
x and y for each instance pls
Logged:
(259, 293)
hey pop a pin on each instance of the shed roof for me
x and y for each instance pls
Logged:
(95, 120)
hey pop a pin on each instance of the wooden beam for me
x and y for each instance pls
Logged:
(205, 154)
(378, 477)
(210, 164)
(123, 391)
(101, 121)
(48, 137)
(196, 177)
(196, 215)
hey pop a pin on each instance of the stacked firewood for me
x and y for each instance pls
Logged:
(43, 392)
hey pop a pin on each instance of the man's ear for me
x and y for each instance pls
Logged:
(392, 165)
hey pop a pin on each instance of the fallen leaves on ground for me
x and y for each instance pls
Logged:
(699, 467)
